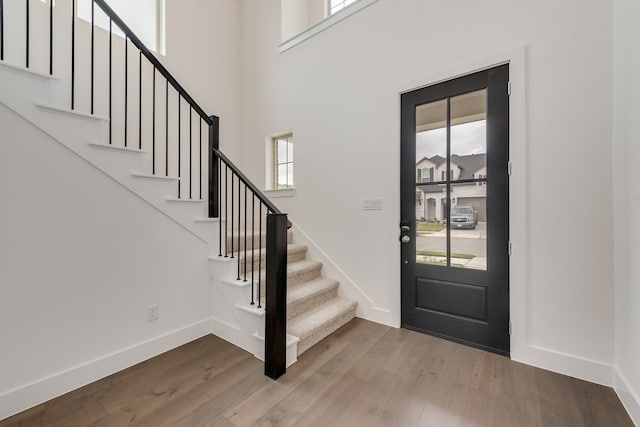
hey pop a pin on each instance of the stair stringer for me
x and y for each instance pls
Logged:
(32, 96)
(235, 319)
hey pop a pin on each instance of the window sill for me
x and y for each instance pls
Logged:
(284, 192)
(325, 24)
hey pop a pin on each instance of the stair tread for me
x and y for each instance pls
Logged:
(303, 264)
(310, 288)
(305, 324)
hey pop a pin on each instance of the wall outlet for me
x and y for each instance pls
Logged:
(372, 204)
(153, 313)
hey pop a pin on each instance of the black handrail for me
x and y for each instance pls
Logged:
(151, 57)
(248, 183)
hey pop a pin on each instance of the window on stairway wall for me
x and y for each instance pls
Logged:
(334, 6)
(302, 19)
(282, 167)
(144, 17)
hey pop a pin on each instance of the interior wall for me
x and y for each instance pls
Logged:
(81, 260)
(81, 257)
(338, 93)
(626, 155)
(203, 53)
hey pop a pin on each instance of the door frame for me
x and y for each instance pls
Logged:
(516, 58)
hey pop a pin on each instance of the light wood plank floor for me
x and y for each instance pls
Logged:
(364, 374)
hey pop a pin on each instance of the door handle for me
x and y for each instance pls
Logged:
(405, 239)
(405, 228)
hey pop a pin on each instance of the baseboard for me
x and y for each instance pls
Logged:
(25, 397)
(629, 398)
(367, 308)
(566, 364)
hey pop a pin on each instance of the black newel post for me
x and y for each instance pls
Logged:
(214, 164)
(275, 349)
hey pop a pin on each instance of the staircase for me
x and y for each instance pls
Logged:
(153, 166)
(314, 307)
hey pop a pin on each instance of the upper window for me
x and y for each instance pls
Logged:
(337, 5)
(425, 175)
(144, 17)
(282, 161)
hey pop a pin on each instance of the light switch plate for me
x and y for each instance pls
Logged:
(372, 204)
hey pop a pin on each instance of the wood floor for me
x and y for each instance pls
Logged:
(364, 374)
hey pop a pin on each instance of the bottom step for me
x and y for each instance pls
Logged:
(314, 325)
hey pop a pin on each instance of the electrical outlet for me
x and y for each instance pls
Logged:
(153, 313)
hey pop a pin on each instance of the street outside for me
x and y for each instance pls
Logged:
(471, 245)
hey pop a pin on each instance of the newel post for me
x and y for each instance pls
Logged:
(275, 349)
(214, 164)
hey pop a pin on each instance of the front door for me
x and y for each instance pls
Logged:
(454, 209)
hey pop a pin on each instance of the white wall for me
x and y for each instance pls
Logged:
(338, 93)
(81, 259)
(626, 155)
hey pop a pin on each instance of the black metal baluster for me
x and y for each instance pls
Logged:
(190, 151)
(232, 214)
(1, 30)
(27, 27)
(126, 88)
(219, 205)
(153, 124)
(92, 49)
(238, 278)
(226, 204)
(110, 81)
(50, 37)
(179, 142)
(253, 239)
(73, 54)
(245, 232)
(140, 100)
(260, 258)
(166, 128)
(200, 165)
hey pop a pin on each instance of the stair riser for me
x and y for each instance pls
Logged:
(299, 307)
(261, 260)
(237, 244)
(326, 329)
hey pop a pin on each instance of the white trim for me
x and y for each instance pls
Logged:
(116, 148)
(26, 71)
(629, 398)
(282, 192)
(29, 395)
(154, 177)
(72, 113)
(326, 23)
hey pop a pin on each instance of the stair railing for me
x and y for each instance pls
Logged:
(256, 235)
(232, 197)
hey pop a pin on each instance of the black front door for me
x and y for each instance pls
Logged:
(454, 209)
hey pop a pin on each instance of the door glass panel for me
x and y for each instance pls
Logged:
(469, 225)
(431, 162)
(469, 135)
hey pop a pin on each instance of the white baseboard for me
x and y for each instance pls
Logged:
(629, 398)
(566, 364)
(27, 396)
